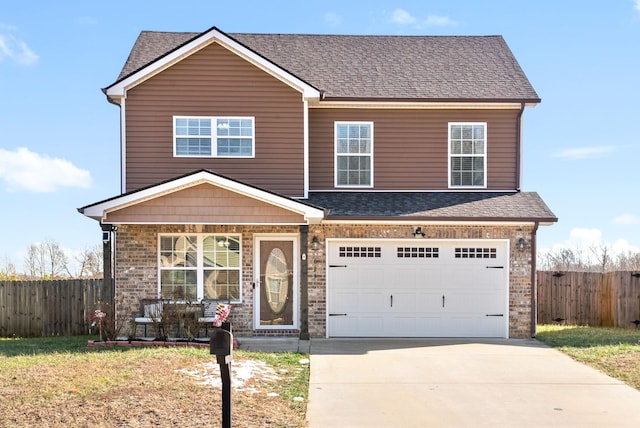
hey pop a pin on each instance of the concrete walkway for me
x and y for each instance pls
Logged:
(460, 383)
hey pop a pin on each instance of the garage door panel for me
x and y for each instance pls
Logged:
(475, 279)
(356, 302)
(366, 326)
(372, 277)
(428, 325)
(402, 277)
(396, 288)
(416, 301)
(344, 301)
(467, 326)
(473, 302)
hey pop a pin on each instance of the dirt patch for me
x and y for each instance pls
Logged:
(165, 390)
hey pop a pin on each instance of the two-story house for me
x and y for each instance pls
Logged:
(327, 185)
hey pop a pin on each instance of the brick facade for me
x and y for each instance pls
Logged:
(136, 266)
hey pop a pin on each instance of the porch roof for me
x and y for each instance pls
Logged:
(434, 206)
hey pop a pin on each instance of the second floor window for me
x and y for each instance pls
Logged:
(467, 155)
(354, 154)
(213, 136)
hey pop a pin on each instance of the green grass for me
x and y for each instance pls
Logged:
(614, 351)
(293, 364)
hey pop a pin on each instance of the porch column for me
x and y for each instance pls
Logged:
(108, 291)
(304, 283)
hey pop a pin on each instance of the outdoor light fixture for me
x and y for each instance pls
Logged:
(418, 233)
(315, 244)
(521, 243)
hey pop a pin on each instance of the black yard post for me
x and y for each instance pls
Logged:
(222, 346)
(225, 371)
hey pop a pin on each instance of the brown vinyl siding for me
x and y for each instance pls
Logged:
(410, 146)
(216, 82)
(205, 204)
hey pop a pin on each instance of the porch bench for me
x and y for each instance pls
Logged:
(151, 311)
(209, 314)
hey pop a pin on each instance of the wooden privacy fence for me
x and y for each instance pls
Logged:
(610, 299)
(48, 308)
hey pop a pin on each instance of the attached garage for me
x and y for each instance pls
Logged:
(417, 288)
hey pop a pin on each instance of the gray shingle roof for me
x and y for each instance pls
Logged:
(449, 68)
(460, 206)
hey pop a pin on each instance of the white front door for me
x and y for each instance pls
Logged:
(276, 282)
(417, 288)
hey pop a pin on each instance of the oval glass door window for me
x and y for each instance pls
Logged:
(277, 280)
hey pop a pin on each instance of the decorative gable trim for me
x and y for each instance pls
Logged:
(118, 90)
(100, 210)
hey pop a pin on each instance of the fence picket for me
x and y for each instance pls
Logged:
(47, 308)
(588, 298)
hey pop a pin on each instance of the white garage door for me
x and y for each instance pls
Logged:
(417, 288)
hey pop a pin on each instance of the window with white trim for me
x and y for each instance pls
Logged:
(199, 136)
(467, 155)
(200, 266)
(353, 154)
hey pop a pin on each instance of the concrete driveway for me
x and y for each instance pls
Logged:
(460, 383)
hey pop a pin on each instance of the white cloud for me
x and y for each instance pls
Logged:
(402, 17)
(584, 152)
(332, 19)
(23, 169)
(637, 5)
(583, 242)
(14, 49)
(621, 246)
(439, 21)
(584, 238)
(627, 218)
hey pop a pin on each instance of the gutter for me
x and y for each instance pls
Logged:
(519, 147)
(534, 267)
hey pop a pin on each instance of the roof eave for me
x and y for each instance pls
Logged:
(431, 103)
(443, 219)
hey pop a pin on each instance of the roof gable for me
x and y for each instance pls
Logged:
(153, 53)
(352, 67)
(143, 204)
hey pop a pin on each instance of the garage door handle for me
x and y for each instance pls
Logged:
(337, 315)
(495, 267)
(443, 300)
(391, 300)
(337, 266)
(494, 315)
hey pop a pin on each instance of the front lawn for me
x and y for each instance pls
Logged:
(614, 351)
(60, 382)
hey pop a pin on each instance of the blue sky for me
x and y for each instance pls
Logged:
(59, 145)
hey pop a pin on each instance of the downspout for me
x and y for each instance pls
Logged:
(519, 147)
(534, 267)
(120, 103)
(123, 148)
(305, 142)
